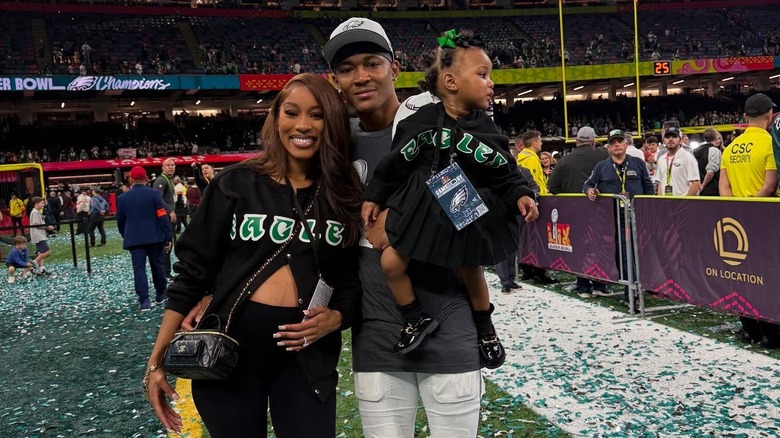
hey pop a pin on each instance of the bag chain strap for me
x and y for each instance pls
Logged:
(268, 262)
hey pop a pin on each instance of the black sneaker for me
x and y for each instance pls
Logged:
(506, 289)
(159, 298)
(543, 279)
(491, 352)
(414, 332)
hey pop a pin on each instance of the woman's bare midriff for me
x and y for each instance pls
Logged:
(279, 290)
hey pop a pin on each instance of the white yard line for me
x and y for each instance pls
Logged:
(595, 374)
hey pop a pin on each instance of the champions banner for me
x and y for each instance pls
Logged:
(719, 253)
(572, 234)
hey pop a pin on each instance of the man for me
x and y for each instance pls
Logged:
(17, 210)
(54, 203)
(507, 270)
(574, 168)
(528, 158)
(619, 174)
(569, 175)
(774, 131)
(387, 385)
(631, 150)
(678, 172)
(708, 157)
(38, 235)
(144, 223)
(651, 152)
(97, 216)
(164, 185)
(83, 204)
(749, 169)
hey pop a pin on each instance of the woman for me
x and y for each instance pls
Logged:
(204, 173)
(249, 209)
(548, 163)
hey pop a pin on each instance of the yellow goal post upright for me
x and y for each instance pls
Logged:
(22, 179)
(636, 73)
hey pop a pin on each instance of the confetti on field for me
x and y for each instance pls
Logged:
(75, 346)
(596, 372)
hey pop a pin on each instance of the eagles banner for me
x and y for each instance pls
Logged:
(114, 83)
(573, 234)
(721, 253)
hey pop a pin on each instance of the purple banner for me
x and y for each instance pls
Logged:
(574, 235)
(719, 253)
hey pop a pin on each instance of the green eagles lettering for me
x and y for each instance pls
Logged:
(303, 236)
(281, 229)
(410, 150)
(333, 235)
(427, 138)
(252, 227)
(481, 152)
(463, 144)
(446, 136)
(498, 161)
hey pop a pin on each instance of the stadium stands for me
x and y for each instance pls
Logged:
(208, 44)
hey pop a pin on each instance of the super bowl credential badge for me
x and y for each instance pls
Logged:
(457, 196)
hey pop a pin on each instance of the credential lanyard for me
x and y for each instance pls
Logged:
(440, 141)
(669, 170)
(621, 174)
(315, 243)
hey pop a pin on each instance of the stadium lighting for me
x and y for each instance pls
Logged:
(259, 100)
(579, 88)
(678, 82)
(774, 77)
(62, 105)
(525, 92)
(132, 103)
(628, 85)
(197, 102)
(728, 79)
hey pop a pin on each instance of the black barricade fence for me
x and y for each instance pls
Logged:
(713, 252)
(573, 234)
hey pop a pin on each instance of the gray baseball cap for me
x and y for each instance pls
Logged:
(586, 134)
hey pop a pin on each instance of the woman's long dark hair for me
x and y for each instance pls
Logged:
(339, 181)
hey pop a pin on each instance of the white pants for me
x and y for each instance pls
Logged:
(388, 403)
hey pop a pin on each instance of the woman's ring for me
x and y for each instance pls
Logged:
(305, 342)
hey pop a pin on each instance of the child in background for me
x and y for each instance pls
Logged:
(458, 74)
(18, 259)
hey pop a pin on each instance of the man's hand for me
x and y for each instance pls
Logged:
(592, 194)
(369, 213)
(528, 208)
(167, 247)
(173, 217)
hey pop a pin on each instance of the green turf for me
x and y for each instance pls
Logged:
(74, 351)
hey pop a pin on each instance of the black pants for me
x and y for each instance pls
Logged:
(83, 222)
(96, 221)
(17, 221)
(267, 375)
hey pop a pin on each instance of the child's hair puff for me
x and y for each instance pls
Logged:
(443, 57)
